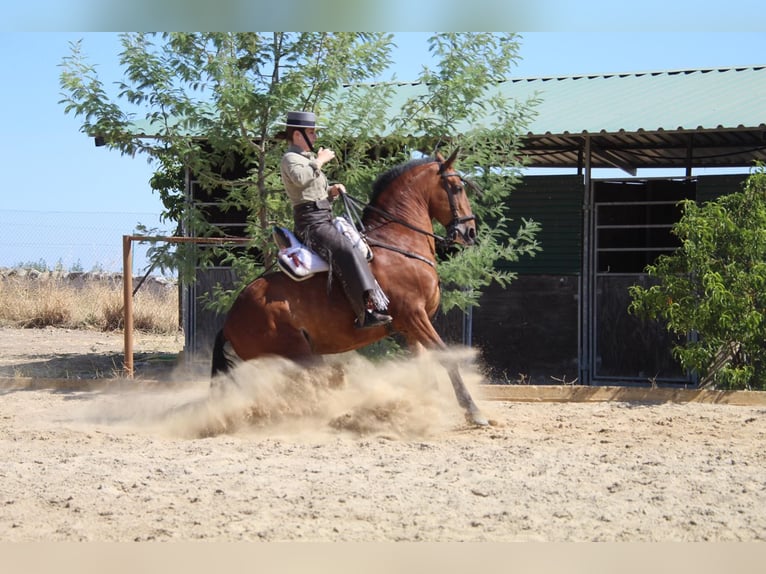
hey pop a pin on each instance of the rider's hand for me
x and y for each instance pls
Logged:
(324, 155)
(335, 190)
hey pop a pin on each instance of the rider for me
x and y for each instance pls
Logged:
(311, 195)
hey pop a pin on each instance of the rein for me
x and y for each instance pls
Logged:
(352, 204)
(349, 199)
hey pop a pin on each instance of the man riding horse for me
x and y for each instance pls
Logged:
(311, 197)
(275, 315)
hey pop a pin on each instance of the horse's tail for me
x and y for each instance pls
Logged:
(221, 363)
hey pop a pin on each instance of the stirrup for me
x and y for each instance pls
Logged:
(373, 319)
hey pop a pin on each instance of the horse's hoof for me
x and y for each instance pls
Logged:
(477, 419)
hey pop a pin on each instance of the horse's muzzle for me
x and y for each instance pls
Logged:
(464, 233)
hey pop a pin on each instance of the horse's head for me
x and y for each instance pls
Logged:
(451, 207)
(440, 190)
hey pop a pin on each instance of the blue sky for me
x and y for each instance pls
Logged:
(52, 172)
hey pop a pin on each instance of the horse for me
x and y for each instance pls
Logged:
(275, 315)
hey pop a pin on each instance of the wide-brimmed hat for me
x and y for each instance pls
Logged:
(301, 120)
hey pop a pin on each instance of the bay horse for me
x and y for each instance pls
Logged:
(275, 315)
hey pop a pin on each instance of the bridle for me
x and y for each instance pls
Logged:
(453, 227)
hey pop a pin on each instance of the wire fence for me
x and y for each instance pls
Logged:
(74, 241)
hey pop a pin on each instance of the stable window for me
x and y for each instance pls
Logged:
(634, 220)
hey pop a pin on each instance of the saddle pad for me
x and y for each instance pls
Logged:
(300, 262)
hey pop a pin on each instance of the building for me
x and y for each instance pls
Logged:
(565, 319)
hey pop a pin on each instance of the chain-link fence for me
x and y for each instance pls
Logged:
(74, 241)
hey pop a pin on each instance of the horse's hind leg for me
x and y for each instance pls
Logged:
(223, 360)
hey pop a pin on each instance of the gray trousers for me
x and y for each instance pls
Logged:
(314, 227)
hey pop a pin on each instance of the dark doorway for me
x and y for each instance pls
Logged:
(633, 223)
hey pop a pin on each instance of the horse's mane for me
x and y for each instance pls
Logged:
(385, 179)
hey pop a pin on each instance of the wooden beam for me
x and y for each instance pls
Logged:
(614, 159)
(510, 393)
(586, 394)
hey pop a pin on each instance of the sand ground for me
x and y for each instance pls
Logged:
(385, 455)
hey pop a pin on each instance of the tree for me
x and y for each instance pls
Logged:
(211, 101)
(714, 286)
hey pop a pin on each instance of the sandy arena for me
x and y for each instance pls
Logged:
(383, 456)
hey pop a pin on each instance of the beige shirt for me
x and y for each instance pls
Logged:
(302, 178)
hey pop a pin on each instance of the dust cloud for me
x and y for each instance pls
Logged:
(403, 399)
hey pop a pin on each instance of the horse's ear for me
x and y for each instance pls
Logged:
(449, 161)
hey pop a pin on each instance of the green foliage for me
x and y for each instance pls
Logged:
(212, 103)
(714, 286)
(473, 268)
(384, 349)
(39, 265)
(42, 266)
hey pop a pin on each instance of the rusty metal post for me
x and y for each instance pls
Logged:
(127, 281)
(127, 296)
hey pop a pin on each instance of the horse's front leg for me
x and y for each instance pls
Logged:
(472, 412)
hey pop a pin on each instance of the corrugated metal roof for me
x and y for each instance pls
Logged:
(712, 117)
(706, 117)
(650, 101)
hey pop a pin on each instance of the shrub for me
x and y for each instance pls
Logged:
(714, 286)
(57, 300)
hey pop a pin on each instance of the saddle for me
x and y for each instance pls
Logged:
(299, 262)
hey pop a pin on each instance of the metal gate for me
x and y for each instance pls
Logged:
(632, 222)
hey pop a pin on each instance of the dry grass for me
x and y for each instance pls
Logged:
(58, 301)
